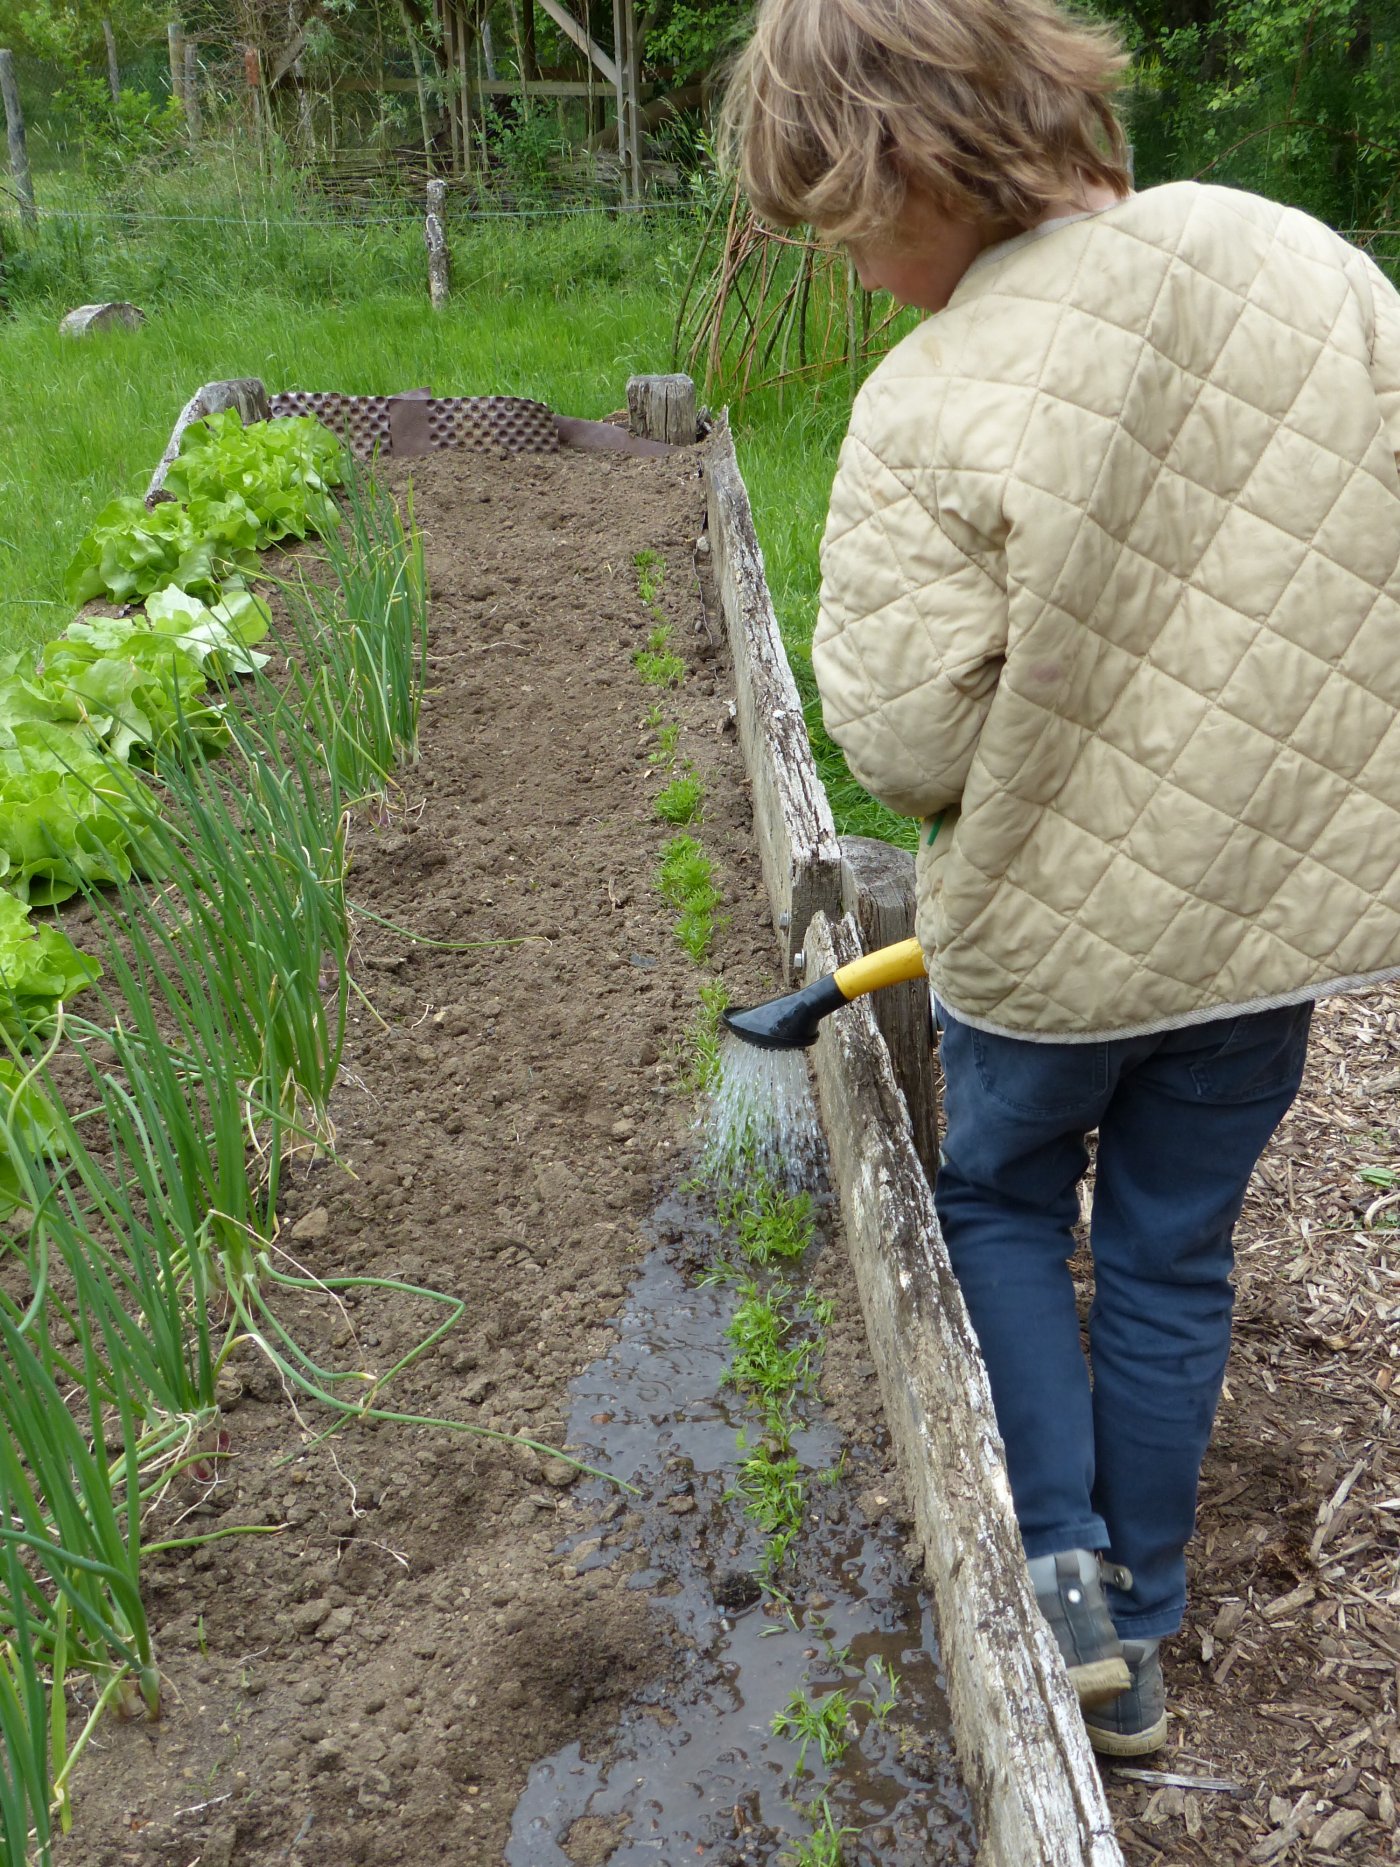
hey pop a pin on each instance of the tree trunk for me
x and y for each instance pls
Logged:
(417, 56)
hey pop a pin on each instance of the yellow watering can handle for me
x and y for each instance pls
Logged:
(891, 965)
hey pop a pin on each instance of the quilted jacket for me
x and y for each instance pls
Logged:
(1111, 601)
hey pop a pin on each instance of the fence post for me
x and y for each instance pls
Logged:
(19, 151)
(878, 890)
(194, 121)
(114, 70)
(175, 46)
(439, 265)
(662, 408)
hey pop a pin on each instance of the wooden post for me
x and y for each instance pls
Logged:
(252, 71)
(175, 45)
(194, 120)
(19, 149)
(662, 408)
(623, 165)
(114, 70)
(439, 273)
(878, 893)
(627, 66)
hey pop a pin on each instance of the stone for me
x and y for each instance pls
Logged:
(314, 1224)
(559, 1474)
(336, 1624)
(309, 1617)
(117, 315)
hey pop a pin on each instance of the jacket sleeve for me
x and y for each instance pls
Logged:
(911, 632)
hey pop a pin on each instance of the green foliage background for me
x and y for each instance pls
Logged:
(1297, 99)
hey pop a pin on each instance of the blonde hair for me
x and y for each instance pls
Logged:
(996, 108)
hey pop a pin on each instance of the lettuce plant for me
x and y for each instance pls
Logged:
(131, 551)
(282, 470)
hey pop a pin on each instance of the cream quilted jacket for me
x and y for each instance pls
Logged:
(1111, 594)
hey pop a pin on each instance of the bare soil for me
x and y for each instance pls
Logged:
(372, 1682)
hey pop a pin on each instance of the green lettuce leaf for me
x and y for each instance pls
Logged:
(218, 636)
(65, 818)
(282, 470)
(131, 551)
(39, 966)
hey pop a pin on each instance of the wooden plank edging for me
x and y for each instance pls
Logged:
(793, 824)
(1036, 1793)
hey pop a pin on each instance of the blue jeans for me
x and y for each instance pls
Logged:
(1109, 1463)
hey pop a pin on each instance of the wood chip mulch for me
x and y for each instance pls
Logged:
(1284, 1686)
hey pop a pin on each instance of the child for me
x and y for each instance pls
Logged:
(1111, 600)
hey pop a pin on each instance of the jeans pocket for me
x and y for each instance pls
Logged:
(1259, 1054)
(1041, 1079)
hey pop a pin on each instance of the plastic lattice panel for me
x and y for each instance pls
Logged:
(506, 422)
(362, 421)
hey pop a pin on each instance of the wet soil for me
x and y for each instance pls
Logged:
(374, 1679)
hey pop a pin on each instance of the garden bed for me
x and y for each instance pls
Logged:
(440, 1622)
(374, 1681)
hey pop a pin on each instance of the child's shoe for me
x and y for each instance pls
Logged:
(1069, 1590)
(1135, 1723)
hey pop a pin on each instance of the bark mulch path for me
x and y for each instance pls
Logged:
(1285, 1681)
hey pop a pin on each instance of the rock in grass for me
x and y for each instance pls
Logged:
(314, 1224)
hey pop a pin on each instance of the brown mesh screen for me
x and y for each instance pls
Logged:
(482, 421)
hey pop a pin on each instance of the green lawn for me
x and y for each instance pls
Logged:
(561, 310)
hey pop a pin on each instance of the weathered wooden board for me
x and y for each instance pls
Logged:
(1025, 1758)
(245, 393)
(792, 819)
(878, 894)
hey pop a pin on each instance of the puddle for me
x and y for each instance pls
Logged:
(696, 1774)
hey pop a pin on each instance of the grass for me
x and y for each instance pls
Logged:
(668, 734)
(702, 1040)
(824, 1722)
(823, 1847)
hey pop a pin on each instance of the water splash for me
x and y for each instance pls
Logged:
(760, 1118)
